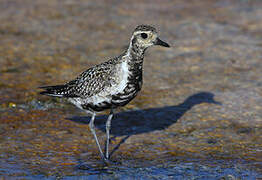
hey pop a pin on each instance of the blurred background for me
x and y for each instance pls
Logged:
(199, 114)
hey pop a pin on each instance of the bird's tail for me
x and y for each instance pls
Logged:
(57, 91)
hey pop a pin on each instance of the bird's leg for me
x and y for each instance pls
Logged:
(108, 126)
(92, 128)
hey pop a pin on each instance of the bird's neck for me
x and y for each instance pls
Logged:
(134, 56)
(135, 52)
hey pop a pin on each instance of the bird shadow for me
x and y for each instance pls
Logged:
(143, 121)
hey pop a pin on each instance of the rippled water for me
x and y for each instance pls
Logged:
(169, 170)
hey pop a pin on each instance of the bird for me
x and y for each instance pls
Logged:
(111, 84)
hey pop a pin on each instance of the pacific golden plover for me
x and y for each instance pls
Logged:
(111, 84)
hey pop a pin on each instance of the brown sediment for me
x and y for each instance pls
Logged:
(216, 49)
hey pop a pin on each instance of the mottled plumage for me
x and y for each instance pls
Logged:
(111, 84)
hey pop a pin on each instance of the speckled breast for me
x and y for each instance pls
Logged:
(120, 99)
(133, 86)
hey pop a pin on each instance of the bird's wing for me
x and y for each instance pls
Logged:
(92, 81)
(88, 83)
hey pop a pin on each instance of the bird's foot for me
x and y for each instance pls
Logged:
(108, 162)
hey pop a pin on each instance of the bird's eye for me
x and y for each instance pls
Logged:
(144, 35)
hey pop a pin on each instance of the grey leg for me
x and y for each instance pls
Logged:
(92, 128)
(108, 126)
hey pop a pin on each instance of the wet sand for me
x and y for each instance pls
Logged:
(199, 114)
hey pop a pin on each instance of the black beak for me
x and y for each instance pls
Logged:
(161, 43)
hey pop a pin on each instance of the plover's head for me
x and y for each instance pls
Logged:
(145, 36)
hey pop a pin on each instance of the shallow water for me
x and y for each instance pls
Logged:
(193, 169)
(198, 116)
